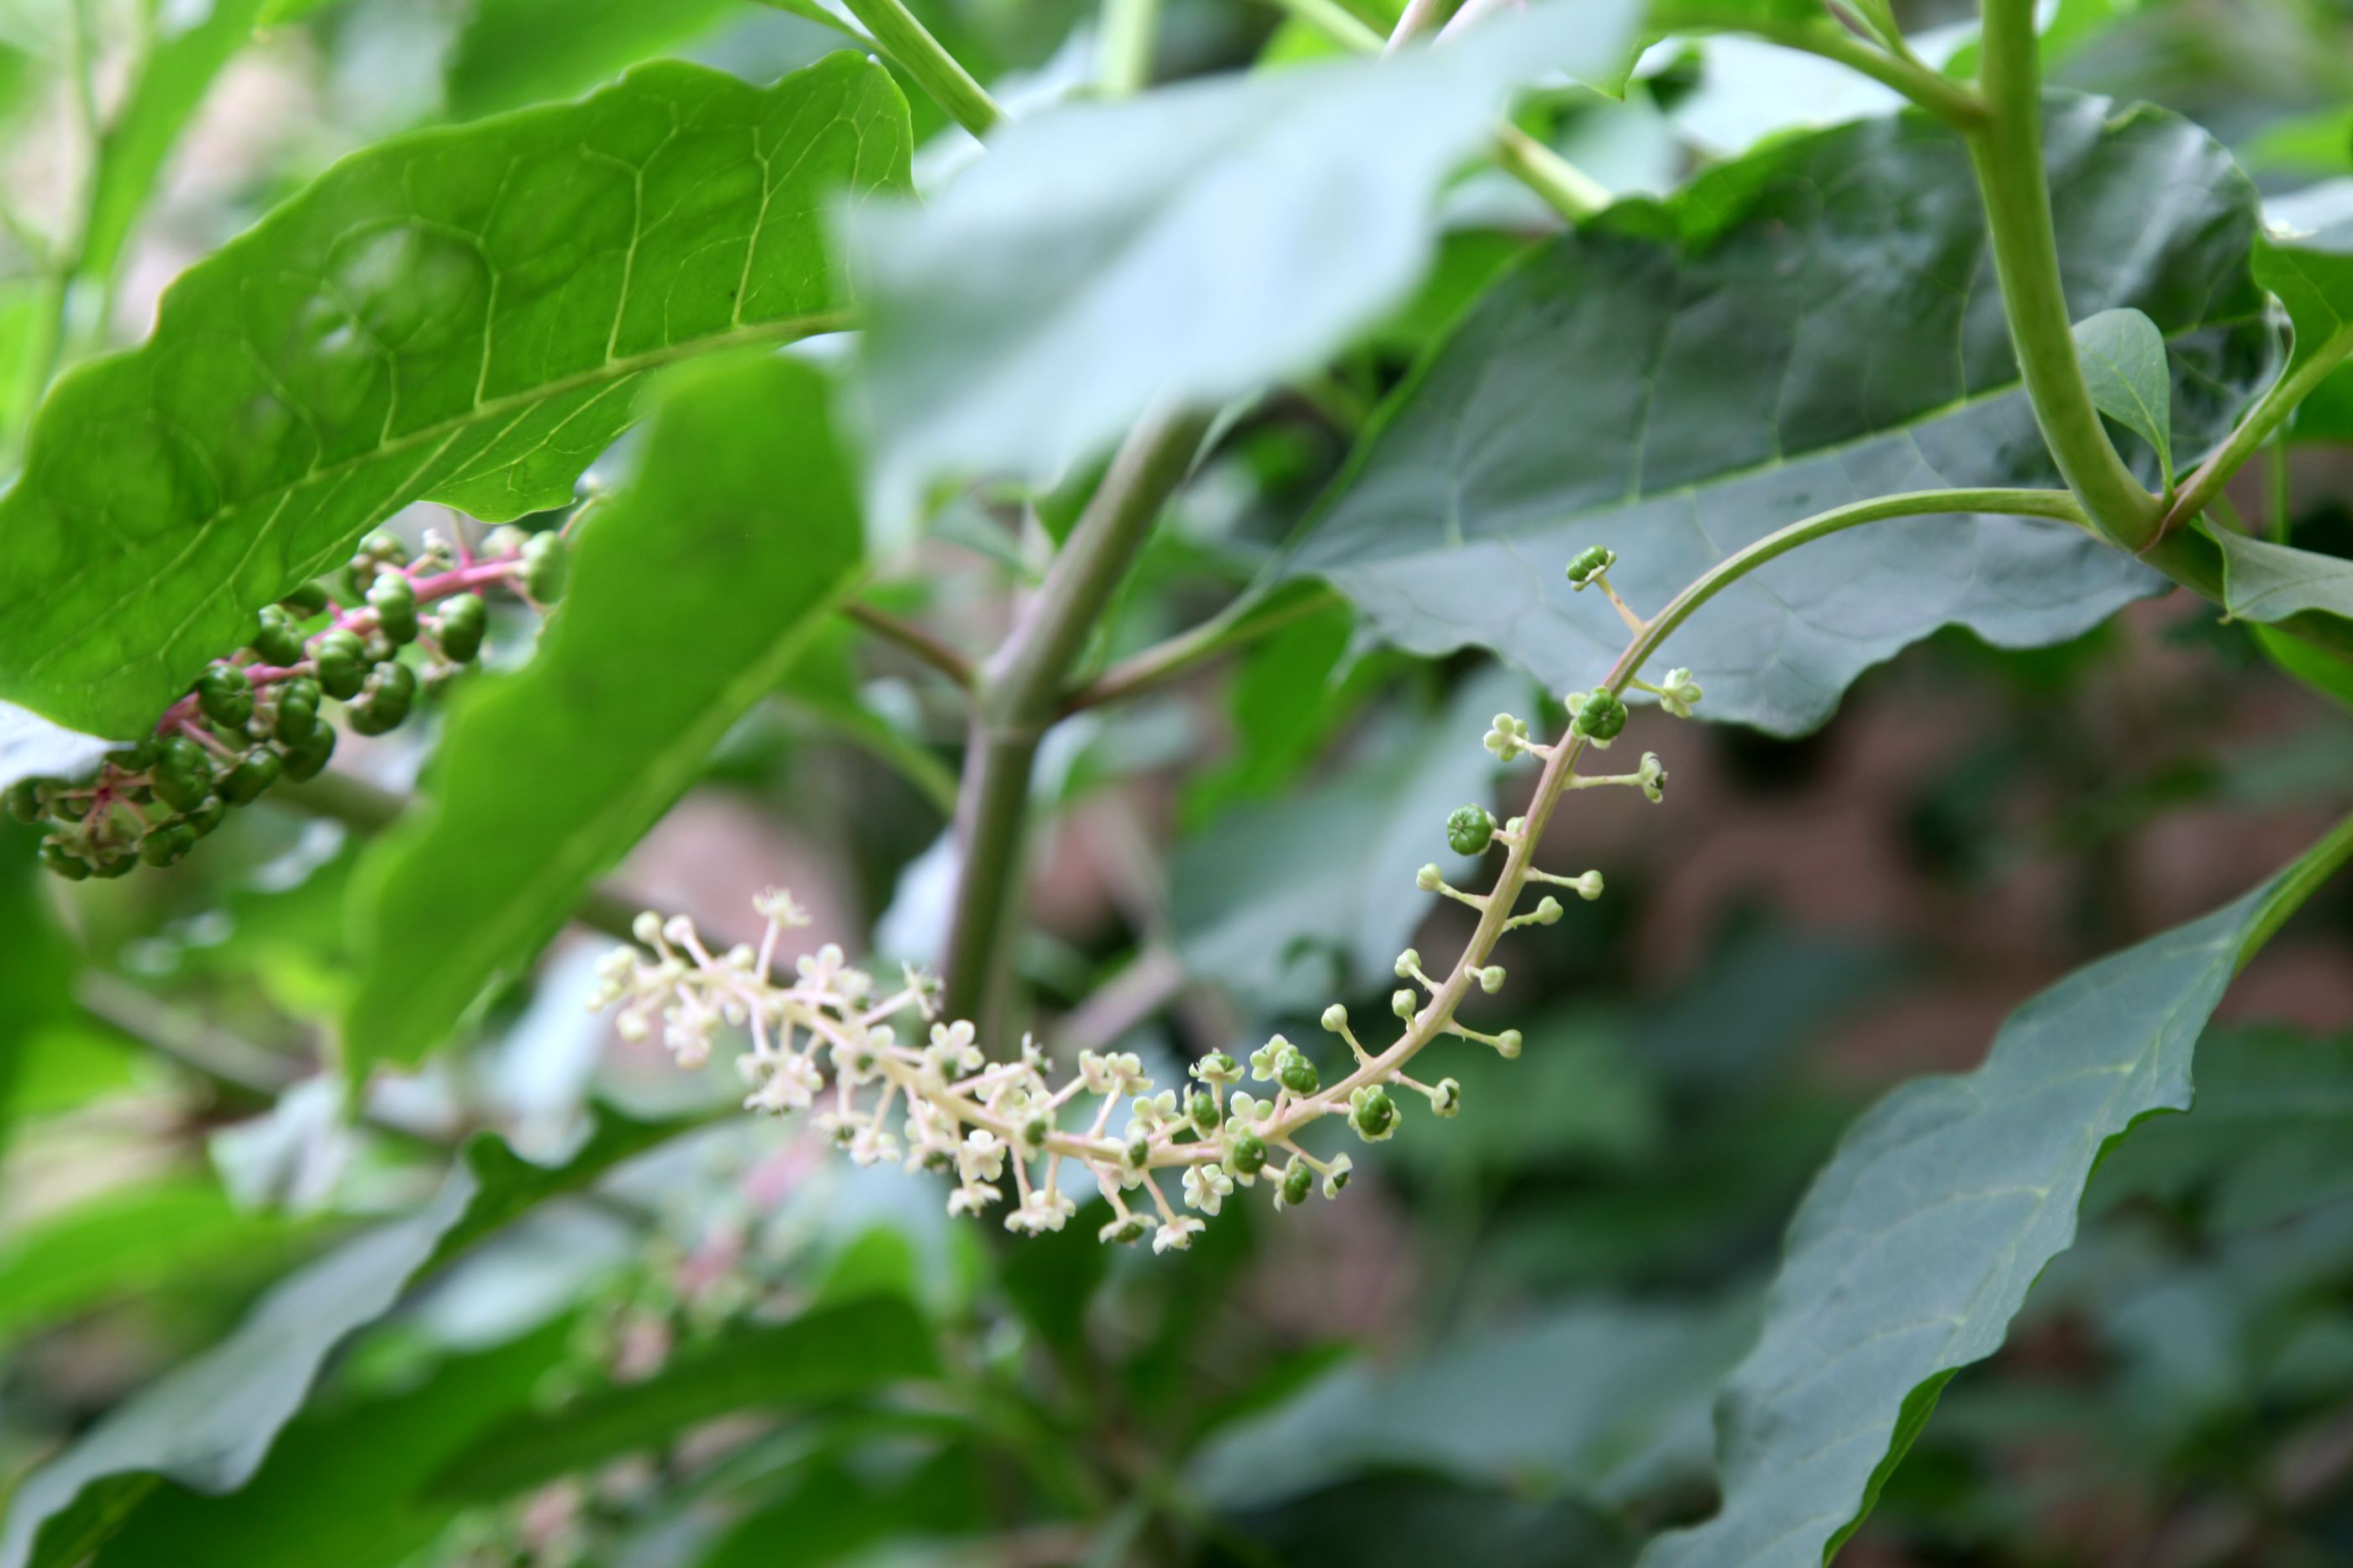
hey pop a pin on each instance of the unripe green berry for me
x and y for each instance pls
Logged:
(108, 864)
(343, 664)
(309, 760)
(1034, 1130)
(206, 815)
(277, 642)
(1600, 717)
(1139, 1152)
(1246, 1154)
(1297, 1179)
(1202, 1110)
(1126, 1231)
(183, 774)
(24, 800)
(457, 629)
(1448, 1099)
(167, 845)
(298, 710)
(1372, 1113)
(307, 599)
(383, 705)
(545, 567)
(1469, 830)
(226, 695)
(394, 600)
(136, 758)
(254, 772)
(70, 807)
(1588, 563)
(1296, 1073)
(64, 862)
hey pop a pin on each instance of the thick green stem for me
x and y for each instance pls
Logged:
(1948, 100)
(936, 70)
(1019, 694)
(2007, 150)
(1565, 188)
(2319, 863)
(1131, 30)
(1235, 627)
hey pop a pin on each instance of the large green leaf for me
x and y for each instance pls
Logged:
(514, 52)
(462, 315)
(347, 1487)
(1919, 1240)
(207, 1423)
(2270, 582)
(2124, 363)
(692, 594)
(828, 1353)
(1812, 325)
(2305, 256)
(1189, 244)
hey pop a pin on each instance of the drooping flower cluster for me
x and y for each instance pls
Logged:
(829, 1038)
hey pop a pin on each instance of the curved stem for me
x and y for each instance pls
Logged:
(1560, 768)
(2269, 412)
(921, 56)
(2319, 863)
(1236, 626)
(1019, 695)
(1950, 101)
(2007, 150)
(918, 641)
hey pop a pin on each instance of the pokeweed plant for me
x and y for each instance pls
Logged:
(1702, 429)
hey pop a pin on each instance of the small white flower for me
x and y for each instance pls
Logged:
(1335, 1175)
(1177, 1233)
(1205, 1186)
(981, 1156)
(870, 1145)
(1152, 1113)
(1042, 1211)
(972, 1197)
(776, 904)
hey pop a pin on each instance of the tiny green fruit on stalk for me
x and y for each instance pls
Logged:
(828, 1038)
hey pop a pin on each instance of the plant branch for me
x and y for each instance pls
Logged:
(2269, 412)
(949, 661)
(921, 56)
(1950, 101)
(2319, 863)
(1019, 695)
(1234, 627)
(1565, 188)
(2007, 150)
(1418, 17)
(1131, 28)
(1434, 1017)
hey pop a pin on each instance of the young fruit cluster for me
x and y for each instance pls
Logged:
(255, 718)
(831, 1037)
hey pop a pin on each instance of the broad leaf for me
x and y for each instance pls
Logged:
(692, 594)
(2304, 256)
(1595, 1399)
(207, 1423)
(1812, 325)
(1918, 1242)
(826, 1352)
(2124, 359)
(514, 52)
(1296, 902)
(345, 1487)
(2269, 582)
(1189, 245)
(462, 315)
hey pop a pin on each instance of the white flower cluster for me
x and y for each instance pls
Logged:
(829, 1040)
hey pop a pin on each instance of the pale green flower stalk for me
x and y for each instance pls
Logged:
(828, 1038)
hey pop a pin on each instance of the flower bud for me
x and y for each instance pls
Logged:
(1405, 1004)
(1507, 1044)
(1491, 979)
(1428, 879)
(1588, 886)
(1335, 1017)
(1408, 962)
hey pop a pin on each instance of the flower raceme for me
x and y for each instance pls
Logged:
(890, 1080)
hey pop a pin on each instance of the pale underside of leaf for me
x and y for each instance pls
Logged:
(2267, 581)
(459, 316)
(2124, 362)
(1813, 326)
(1186, 245)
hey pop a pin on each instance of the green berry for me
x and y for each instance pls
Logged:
(1600, 716)
(382, 546)
(206, 815)
(309, 760)
(183, 773)
(1296, 1182)
(546, 566)
(1296, 1073)
(457, 629)
(167, 845)
(382, 707)
(1246, 1156)
(307, 599)
(1202, 1110)
(343, 664)
(1467, 830)
(226, 695)
(1588, 563)
(109, 864)
(64, 862)
(277, 642)
(394, 600)
(24, 800)
(1372, 1112)
(298, 710)
(254, 772)
(135, 759)
(1126, 1231)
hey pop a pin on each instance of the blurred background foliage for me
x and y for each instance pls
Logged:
(706, 1344)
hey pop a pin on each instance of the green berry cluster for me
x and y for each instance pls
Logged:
(255, 718)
